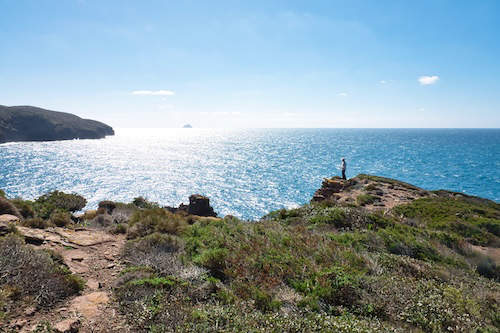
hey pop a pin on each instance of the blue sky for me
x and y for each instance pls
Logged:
(255, 63)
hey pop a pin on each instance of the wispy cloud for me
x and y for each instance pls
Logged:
(428, 80)
(342, 94)
(382, 81)
(153, 92)
(220, 113)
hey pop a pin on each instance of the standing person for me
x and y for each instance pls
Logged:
(343, 168)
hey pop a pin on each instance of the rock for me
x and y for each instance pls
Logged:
(74, 255)
(200, 205)
(71, 325)
(8, 218)
(18, 323)
(88, 305)
(30, 311)
(83, 237)
(331, 186)
(93, 284)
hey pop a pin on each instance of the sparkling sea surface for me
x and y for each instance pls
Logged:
(248, 173)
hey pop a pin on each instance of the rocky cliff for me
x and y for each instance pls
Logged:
(28, 123)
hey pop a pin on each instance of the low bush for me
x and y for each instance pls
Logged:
(36, 222)
(365, 199)
(60, 218)
(489, 269)
(158, 251)
(7, 207)
(45, 205)
(371, 187)
(148, 221)
(88, 215)
(106, 207)
(33, 274)
(143, 203)
(319, 267)
(118, 229)
(25, 207)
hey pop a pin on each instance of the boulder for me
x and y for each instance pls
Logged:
(330, 186)
(71, 325)
(198, 205)
(8, 218)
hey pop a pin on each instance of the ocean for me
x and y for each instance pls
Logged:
(249, 172)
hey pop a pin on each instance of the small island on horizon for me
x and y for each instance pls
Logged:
(29, 123)
(187, 126)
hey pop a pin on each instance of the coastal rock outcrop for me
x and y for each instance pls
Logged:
(372, 192)
(28, 123)
(198, 205)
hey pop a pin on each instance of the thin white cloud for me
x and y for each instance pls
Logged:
(428, 80)
(220, 113)
(153, 92)
(383, 81)
(342, 94)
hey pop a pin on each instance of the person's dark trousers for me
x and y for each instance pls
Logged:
(343, 174)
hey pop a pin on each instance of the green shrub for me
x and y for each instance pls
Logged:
(25, 207)
(60, 218)
(332, 215)
(158, 251)
(143, 203)
(45, 205)
(106, 206)
(148, 221)
(365, 199)
(118, 229)
(265, 302)
(36, 222)
(213, 259)
(489, 269)
(7, 207)
(2, 194)
(371, 187)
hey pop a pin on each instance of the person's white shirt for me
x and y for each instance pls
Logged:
(343, 166)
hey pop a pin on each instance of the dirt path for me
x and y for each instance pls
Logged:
(93, 255)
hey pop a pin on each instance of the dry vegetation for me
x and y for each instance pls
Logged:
(32, 277)
(321, 267)
(325, 266)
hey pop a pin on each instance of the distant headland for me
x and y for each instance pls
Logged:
(28, 123)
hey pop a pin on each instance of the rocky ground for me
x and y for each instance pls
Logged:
(372, 192)
(93, 255)
(363, 256)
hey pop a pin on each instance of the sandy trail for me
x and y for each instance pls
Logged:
(93, 255)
